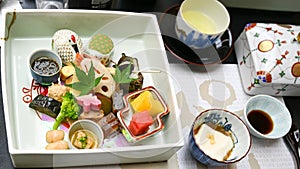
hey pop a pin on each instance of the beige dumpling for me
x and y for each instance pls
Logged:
(59, 145)
(54, 136)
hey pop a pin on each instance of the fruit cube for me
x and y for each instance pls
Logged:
(146, 102)
(140, 123)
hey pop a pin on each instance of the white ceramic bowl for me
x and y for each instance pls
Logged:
(278, 112)
(199, 37)
(230, 123)
(90, 126)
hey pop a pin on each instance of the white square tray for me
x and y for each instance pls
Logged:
(135, 34)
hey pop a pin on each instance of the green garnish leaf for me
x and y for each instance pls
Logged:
(81, 75)
(97, 80)
(91, 75)
(86, 81)
(123, 76)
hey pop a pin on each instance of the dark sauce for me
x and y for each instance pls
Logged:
(261, 121)
(45, 66)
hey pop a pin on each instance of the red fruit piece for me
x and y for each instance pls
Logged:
(140, 123)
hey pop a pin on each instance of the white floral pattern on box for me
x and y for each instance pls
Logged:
(268, 56)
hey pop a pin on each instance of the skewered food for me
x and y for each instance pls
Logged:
(136, 77)
(136, 84)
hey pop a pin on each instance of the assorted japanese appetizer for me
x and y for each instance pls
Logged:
(90, 93)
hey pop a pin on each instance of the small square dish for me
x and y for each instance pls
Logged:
(142, 115)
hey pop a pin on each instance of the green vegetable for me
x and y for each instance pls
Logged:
(86, 81)
(83, 141)
(69, 110)
(122, 77)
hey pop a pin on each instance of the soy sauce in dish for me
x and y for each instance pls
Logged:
(45, 66)
(261, 121)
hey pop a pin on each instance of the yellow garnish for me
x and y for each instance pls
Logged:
(298, 37)
(146, 102)
(211, 138)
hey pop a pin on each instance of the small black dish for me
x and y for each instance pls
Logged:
(216, 53)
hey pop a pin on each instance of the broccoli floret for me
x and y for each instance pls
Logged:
(69, 110)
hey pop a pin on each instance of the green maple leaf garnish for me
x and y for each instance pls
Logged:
(122, 76)
(86, 81)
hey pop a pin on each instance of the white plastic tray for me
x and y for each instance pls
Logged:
(135, 34)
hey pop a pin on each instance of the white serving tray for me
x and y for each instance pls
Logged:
(135, 34)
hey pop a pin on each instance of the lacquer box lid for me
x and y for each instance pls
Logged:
(275, 52)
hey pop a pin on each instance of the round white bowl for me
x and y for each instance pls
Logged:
(229, 122)
(276, 109)
(86, 125)
(196, 37)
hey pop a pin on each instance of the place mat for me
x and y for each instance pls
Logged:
(219, 86)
